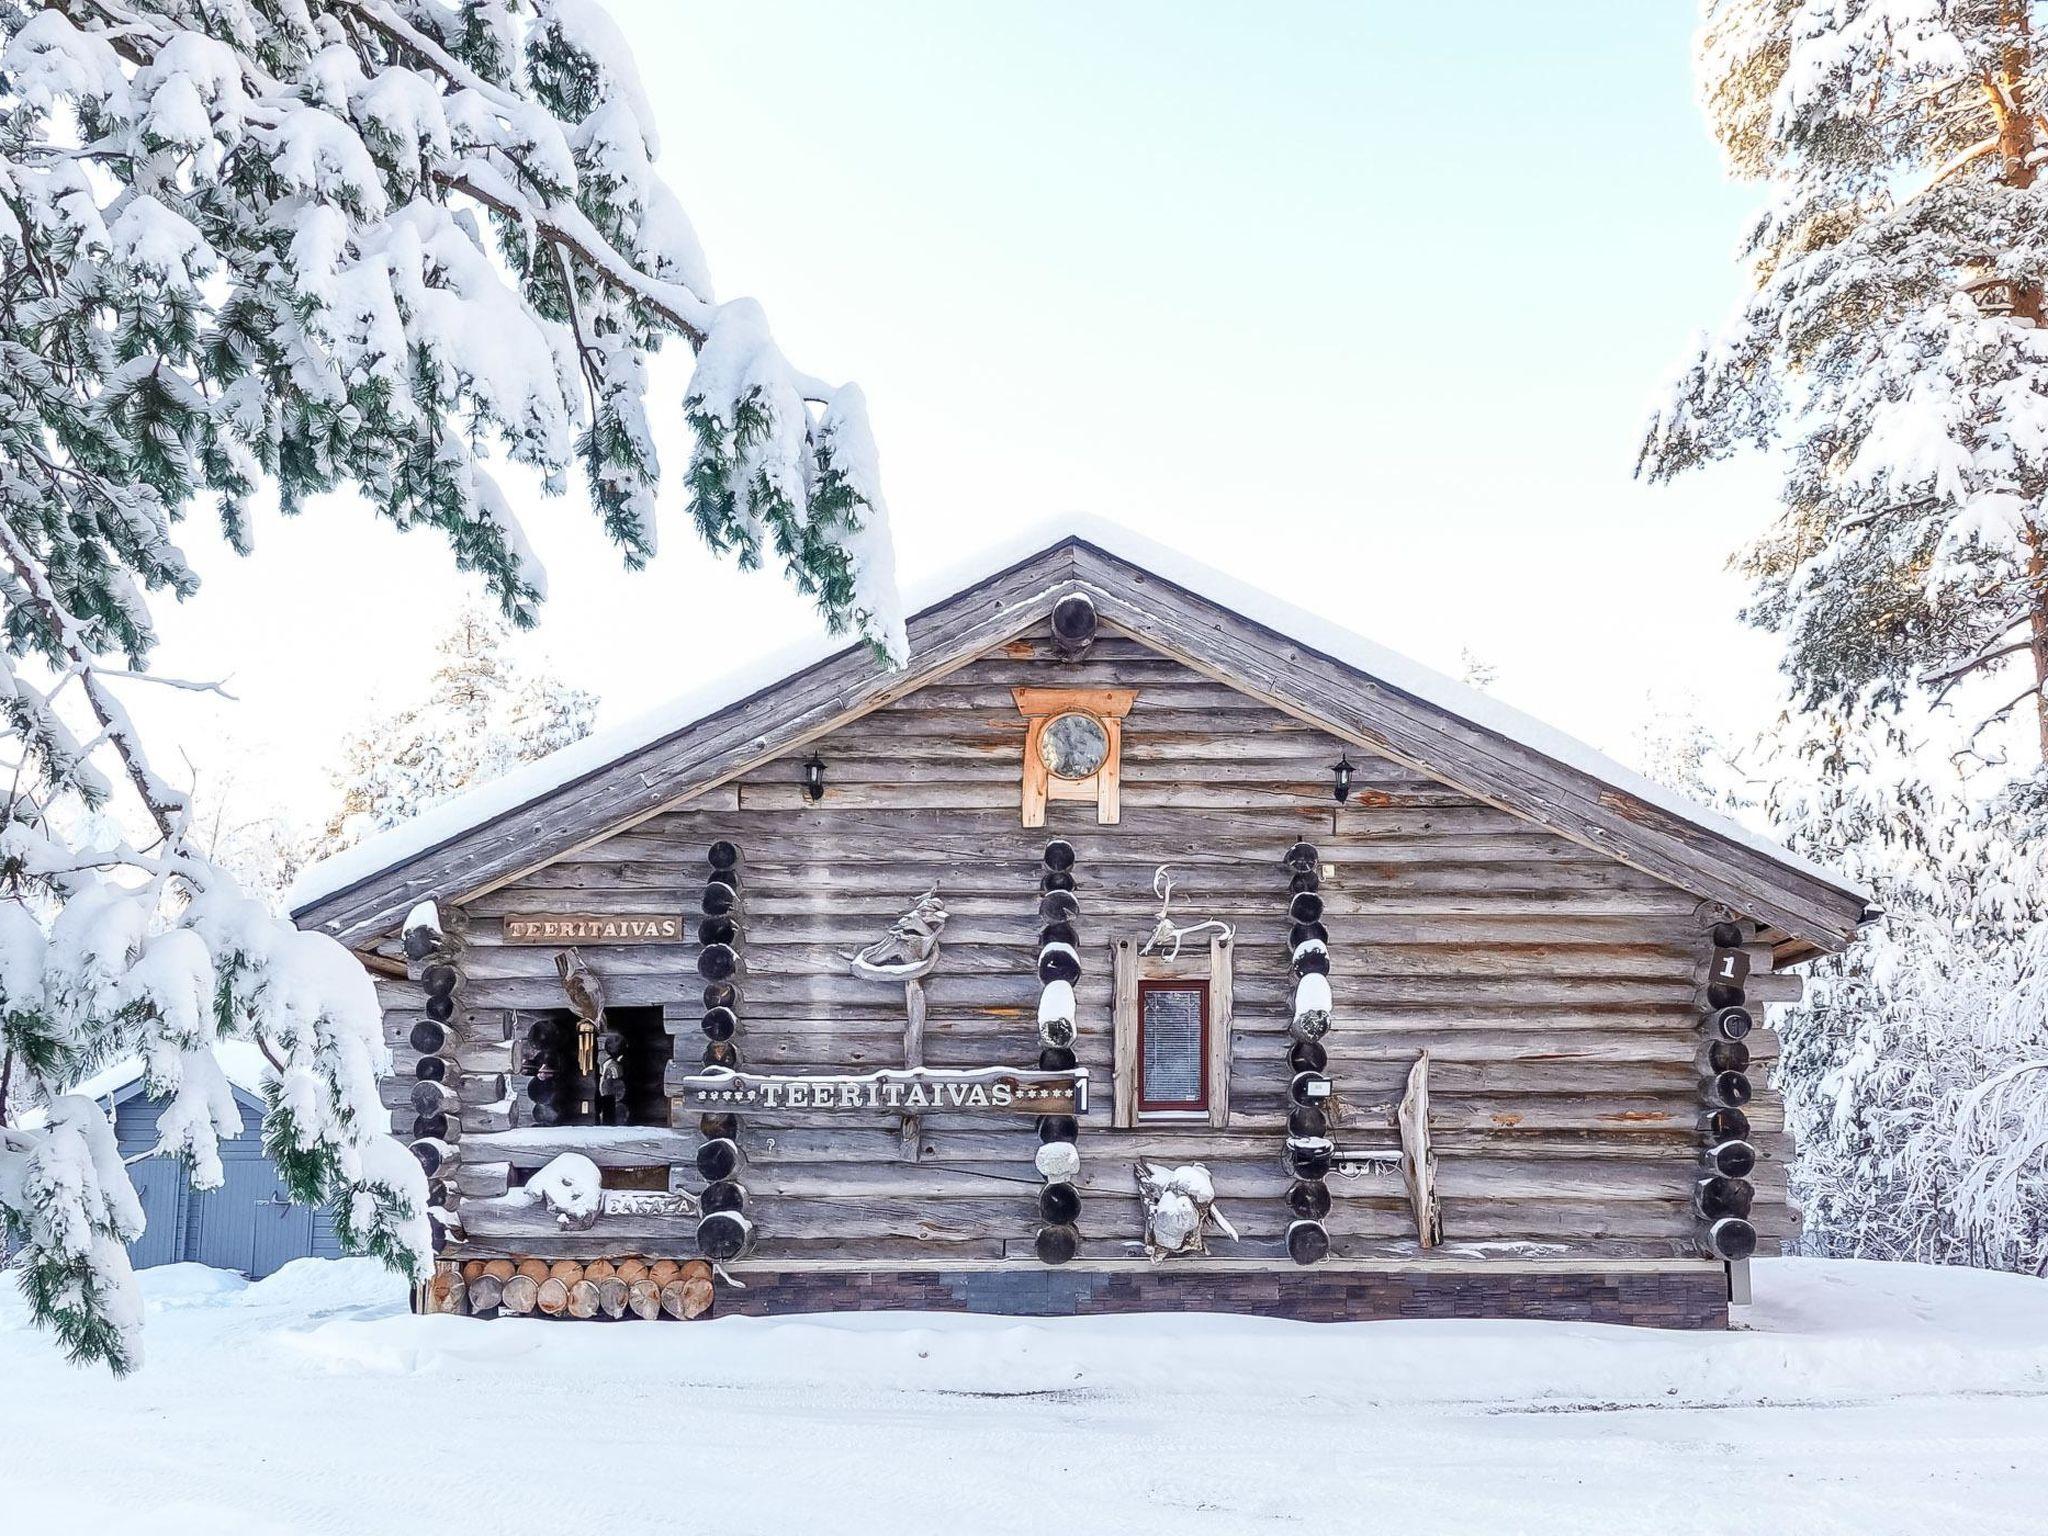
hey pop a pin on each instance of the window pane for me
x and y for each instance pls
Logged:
(1171, 1032)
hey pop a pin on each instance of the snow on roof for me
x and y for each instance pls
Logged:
(241, 1060)
(533, 781)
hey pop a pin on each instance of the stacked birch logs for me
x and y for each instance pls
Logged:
(1310, 1150)
(585, 1289)
(433, 959)
(1059, 967)
(725, 1232)
(1722, 1193)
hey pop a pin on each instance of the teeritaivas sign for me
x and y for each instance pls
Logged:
(592, 928)
(900, 1090)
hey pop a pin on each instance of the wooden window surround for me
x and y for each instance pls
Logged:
(1107, 708)
(1205, 970)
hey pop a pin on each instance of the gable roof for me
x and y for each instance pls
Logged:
(1245, 638)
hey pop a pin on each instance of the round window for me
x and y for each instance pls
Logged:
(1073, 746)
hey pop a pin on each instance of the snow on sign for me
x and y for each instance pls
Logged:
(996, 1090)
(593, 928)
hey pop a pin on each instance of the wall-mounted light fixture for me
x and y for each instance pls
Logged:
(1342, 773)
(814, 779)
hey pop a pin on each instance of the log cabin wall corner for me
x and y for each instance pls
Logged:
(839, 1003)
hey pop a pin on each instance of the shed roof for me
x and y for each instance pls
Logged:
(1301, 662)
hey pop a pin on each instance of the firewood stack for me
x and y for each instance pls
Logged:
(1059, 967)
(1722, 1193)
(433, 959)
(1310, 1150)
(612, 1289)
(724, 1232)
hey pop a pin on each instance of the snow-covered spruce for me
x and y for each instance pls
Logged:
(119, 973)
(481, 716)
(1891, 346)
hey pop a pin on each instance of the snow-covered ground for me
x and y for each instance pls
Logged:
(1864, 1398)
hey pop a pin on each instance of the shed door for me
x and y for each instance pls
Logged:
(283, 1231)
(160, 1185)
(223, 1223)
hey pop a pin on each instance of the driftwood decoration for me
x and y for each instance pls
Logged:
(1418, 1162)
(1179, 1203)
(1166, 932)
(585, 990)
(908, 952)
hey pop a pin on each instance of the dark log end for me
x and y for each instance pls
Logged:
(1728, 936)
(431, 1069)
(1304, 880)
(1060, 933)
(1308, 1088)
(1307, 1242)
(1056, 880)
(719, 1023)
(722, 994)
(1309, 1199)
(1731, 1023)
(1058, 965)
(1308, 1056)
(717, 1127)
(1301, 933)
(718, 930)
(1309, 1162)
(721, 1053)
(440, 980)
(724, 855)
(440, 1009)
(1725, 994)
(1059, 855)
(1306, 907)
(1307, 1120)
(428, 1037)
(1724, 1124)
(724, 1235)
(1059, 906)
(1056, 1058)
(1303, 856)
(718, 1160)
(1056, 1245)
(434, 1125)
(717, 962)
(1059, 1204)
(1058, 1128)
(719, 899)
(1731, 1238)
(1312, 962)
(724, 1195)
(1073, 624)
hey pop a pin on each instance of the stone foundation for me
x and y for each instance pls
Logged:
(1682, 1298)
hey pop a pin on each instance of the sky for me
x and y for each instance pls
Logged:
(1363, 303)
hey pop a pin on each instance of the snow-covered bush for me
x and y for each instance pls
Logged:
(324, 245)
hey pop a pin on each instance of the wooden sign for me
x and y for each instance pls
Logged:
(594, 928)
(893, 1091)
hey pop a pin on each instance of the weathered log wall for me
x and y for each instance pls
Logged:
(1556, 990)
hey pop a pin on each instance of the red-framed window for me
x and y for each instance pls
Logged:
(1173, 1046)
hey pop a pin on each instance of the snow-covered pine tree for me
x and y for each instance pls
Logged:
(1892, 347)
(483, 714)
(327, 244)
(1915, 1071)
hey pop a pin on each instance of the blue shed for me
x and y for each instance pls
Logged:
(248, 1224)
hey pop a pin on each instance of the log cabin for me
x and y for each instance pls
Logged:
(1144, 944)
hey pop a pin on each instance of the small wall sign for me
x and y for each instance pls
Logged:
(893, 1091)
(593, 928)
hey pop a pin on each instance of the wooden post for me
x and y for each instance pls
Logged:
(912, 1134)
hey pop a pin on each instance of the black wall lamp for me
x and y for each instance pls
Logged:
(814, 779)
(1342, 771)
